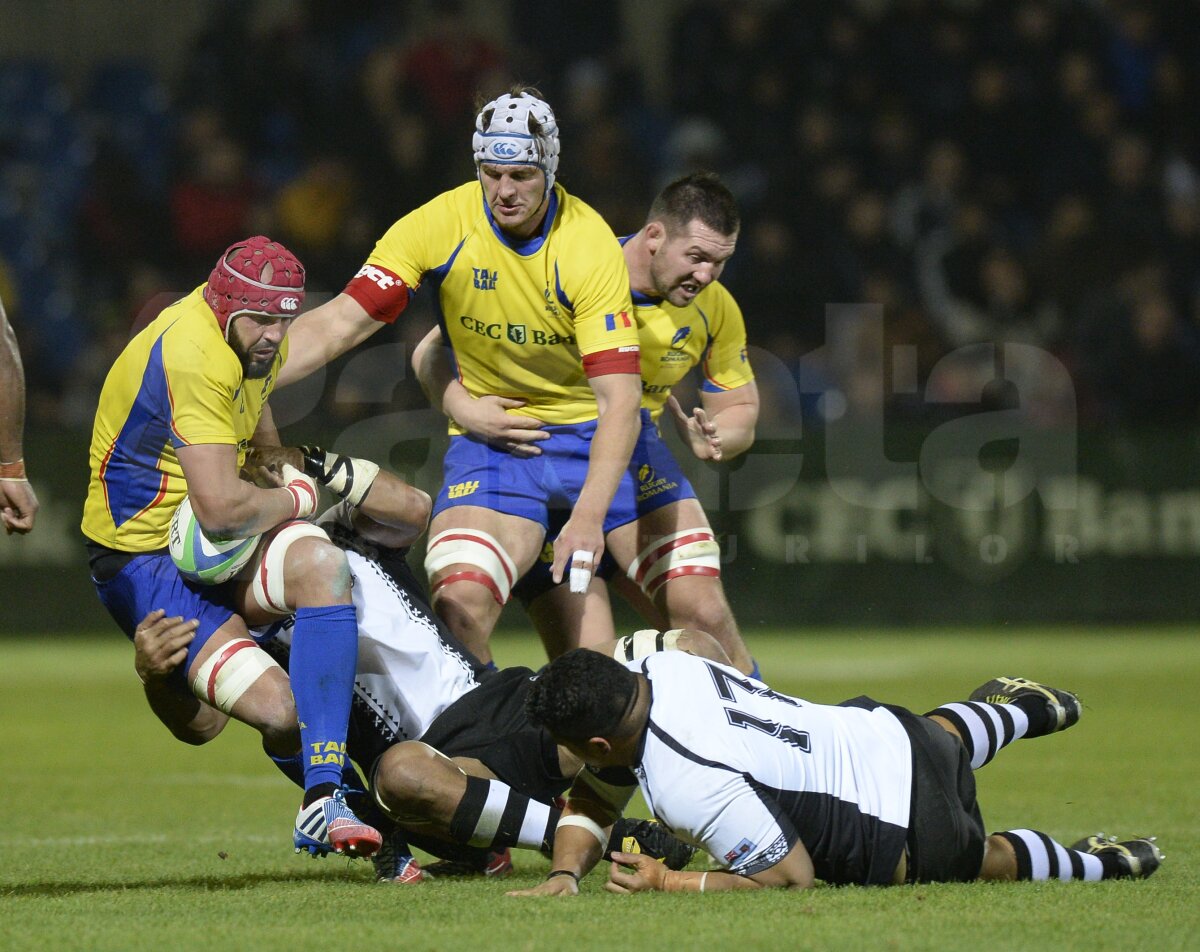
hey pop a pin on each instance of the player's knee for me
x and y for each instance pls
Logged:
(708, 614)
(300, 568)
(317, 573)
(402, 777)
(270, 708)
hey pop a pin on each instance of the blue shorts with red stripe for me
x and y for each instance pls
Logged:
(476, 474)
(151, 581)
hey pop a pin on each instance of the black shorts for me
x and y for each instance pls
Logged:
(490, 725)
(945, 829)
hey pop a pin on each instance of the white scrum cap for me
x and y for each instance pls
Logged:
(505, 138)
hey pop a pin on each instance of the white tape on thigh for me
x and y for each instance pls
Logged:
(646, 642)
(490, 564)
(690, 552)
(268, 584)
(229, 672)
(585, 823)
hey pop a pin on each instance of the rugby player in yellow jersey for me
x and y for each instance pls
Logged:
(177, 411)
(686, 319)
(532, 293)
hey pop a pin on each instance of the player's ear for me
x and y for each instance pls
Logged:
(656, 235)
(598, 747)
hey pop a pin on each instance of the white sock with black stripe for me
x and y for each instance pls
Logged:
(1040, 858)
(493, 815)
(984, 728)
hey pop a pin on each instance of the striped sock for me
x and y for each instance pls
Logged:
(1039, 858)
(984, 728)
(493, 815)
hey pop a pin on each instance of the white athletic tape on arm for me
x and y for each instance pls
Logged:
(229, 673)
(581, 575)
(690, 552)
(478, 549)
(642, 644)
(586, 823)
(352, 480)
(268, 584)
(346, 476)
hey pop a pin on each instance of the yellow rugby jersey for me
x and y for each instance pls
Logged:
(709, 332)
(177, 383)
(523, 318)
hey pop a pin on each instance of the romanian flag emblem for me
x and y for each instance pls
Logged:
(613, 321)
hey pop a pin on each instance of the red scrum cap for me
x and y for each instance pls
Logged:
(255, 276)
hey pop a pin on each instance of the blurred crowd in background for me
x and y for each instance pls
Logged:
(1018, 173)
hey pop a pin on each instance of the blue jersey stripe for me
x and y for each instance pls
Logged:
(129, 485)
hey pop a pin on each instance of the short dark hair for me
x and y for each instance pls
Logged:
(581, 694)
(699, 195)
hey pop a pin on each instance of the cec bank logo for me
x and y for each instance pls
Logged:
(516, 333)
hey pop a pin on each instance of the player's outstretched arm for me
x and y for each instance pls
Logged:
(18, 503)
(631, 873)
(160, 645)
(488, 417)
(579, 844)
(579, 838)
(318, 336)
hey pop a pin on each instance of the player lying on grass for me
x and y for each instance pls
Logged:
(177, 410)
(456, 760)
(783, 792)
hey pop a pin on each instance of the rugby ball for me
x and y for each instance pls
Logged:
(201, 558)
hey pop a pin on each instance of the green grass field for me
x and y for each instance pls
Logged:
(119, 837)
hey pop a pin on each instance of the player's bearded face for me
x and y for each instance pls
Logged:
(256, 339)
(688, 260)
(516, 196)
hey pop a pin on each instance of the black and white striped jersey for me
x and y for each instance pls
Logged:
(744, 772)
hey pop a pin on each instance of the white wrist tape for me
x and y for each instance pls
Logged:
(303, 489)
(576, 819)
(229, 673)
(581, 574)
